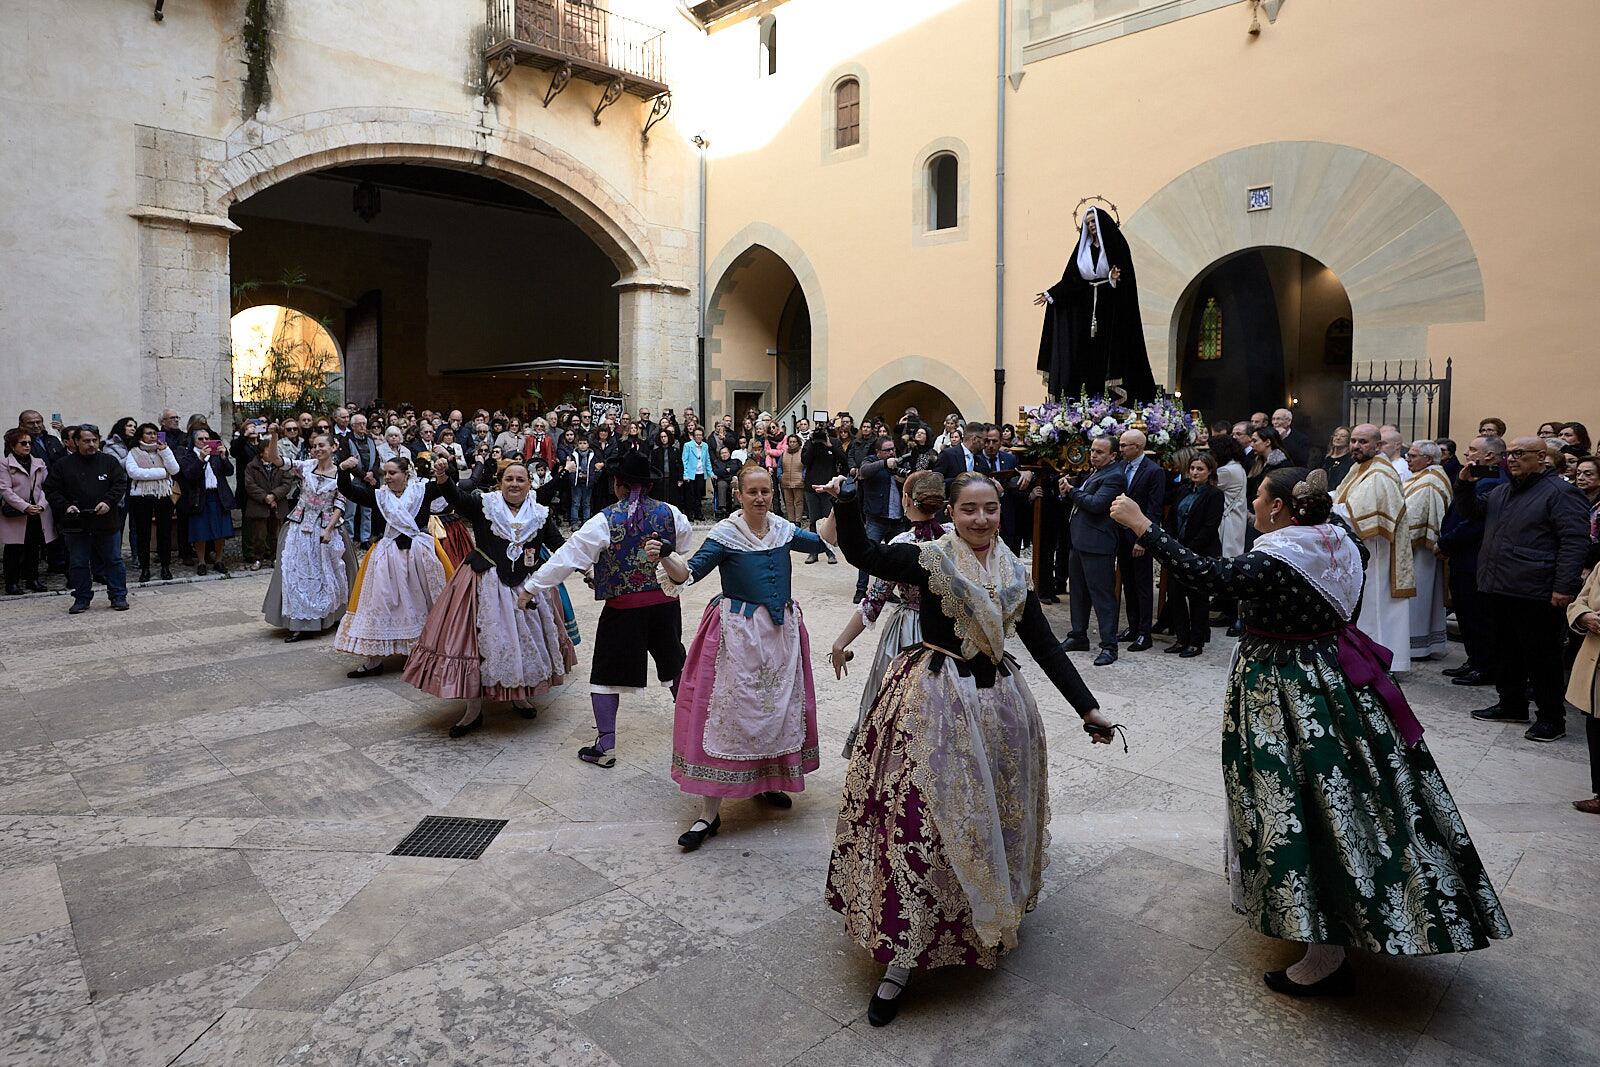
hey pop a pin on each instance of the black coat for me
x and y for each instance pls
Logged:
(820, 461)
(1147, 487)
(952, 461)
(1297, 446)
(192, 479)
(83, 482)
(1535, 537)
(1200, 528)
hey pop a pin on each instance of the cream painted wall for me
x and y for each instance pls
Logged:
(1482, 105)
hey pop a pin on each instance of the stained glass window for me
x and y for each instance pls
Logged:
(1211, 330)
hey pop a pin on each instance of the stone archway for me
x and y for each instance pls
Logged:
(185, 225)
(940, 376)
(725, 269)
(1403, 256)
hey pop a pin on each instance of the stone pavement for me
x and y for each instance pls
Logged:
(195, 822)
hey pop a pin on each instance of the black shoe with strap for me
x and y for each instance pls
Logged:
(364, 671)
(695, 835)
(1340, 983)
(1106, 658)
(882, 1010)
(600, 757)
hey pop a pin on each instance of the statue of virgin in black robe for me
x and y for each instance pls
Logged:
(1093, 341)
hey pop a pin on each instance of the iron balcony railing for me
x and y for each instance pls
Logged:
(600, 45)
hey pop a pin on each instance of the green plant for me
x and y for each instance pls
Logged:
(257, 39)
(294, 375)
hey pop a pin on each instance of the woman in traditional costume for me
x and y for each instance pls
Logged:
(316, 561)
(746, 709)
(478, 644)
(402, 574)
(940, 843)
(921, 500)
(1341, 831)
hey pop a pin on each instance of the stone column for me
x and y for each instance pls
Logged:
(185, 347)
(656, 345)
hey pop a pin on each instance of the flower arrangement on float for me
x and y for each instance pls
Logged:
(1057, 433)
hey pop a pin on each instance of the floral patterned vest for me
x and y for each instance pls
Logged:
(624, 569)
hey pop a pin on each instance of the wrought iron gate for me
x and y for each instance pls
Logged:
(1404, 394)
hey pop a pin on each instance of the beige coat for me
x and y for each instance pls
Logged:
(1583, 691)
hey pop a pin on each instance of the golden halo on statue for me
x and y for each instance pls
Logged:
(1077, 211)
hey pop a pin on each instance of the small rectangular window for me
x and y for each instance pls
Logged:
(847, 111)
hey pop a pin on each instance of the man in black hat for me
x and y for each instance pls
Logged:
(638, 619)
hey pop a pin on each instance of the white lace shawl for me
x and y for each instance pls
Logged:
(1324, 556)
(517, 529)
(400, 509)
(735, 533)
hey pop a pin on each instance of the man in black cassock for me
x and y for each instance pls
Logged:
(1093, 341)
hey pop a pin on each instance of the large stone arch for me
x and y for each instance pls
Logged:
(1400, 251)
(722, 276)
(184, 231)
(940, 375)
(261, 156)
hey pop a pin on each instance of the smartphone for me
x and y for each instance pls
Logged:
(161, 435)
(55, 418)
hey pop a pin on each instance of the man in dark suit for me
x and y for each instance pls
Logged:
(1147, 483)
(958, 459)
(1002, 466)
(1092, 574)
(880, 501)
(1296, 445)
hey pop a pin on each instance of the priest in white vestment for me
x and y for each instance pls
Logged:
(1393, 447)
(1428, 494)
(1372, 500)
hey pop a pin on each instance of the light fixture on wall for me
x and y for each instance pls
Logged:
(1255, 18)
(366, 201)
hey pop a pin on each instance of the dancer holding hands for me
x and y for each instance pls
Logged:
(940, 845)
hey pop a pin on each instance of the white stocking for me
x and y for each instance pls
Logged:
(1318, 962)
(887, 990)
(710, 807)
(372, 662)
(473, 710)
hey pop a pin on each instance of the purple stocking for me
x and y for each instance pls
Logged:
(605, 719)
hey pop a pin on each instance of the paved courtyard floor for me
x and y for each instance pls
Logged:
(196, 820)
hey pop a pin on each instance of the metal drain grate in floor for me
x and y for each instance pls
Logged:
(444, 837)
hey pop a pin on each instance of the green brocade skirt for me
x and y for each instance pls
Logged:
(1339, 833)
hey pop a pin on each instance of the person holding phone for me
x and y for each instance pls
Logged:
(207, 501)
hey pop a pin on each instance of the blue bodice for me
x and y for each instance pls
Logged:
(754, 579)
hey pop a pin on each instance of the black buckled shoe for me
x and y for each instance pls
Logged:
(1106, 658)
(696, 835)
(1340, 983)
(1192, 651)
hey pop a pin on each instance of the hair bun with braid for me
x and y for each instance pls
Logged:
(1310, 501)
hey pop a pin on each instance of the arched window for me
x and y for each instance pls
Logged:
(768, 29)
(1211, 330)
(943, 177)
(1338, 343)
(847, 113)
